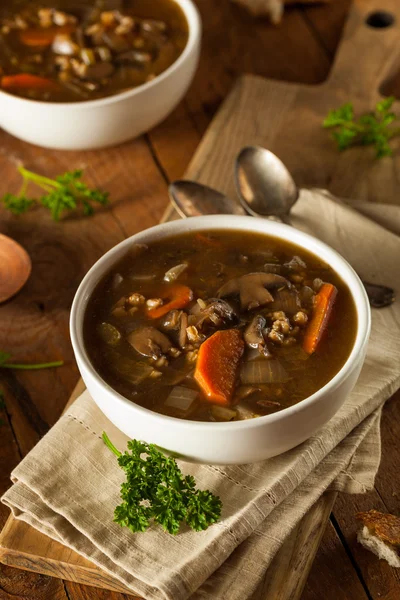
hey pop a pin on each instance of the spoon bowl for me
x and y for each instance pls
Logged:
(15, 267)
(192, 199)
(266, 188)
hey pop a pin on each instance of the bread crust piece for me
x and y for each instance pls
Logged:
(377, 546)
(384, 526)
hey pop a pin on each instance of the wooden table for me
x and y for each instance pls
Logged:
(34, 325)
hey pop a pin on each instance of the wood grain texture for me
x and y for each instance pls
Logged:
(333, 576)
(382, 581)
(288, 572)
(287, 118)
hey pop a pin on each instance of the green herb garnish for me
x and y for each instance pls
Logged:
(155, 488)
(370, 129)
(5, 357)
(65, 192)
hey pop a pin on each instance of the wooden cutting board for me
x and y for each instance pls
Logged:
(287, 119)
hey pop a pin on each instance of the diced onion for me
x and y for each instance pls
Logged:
(109, 334)
(143, 277)
(263, 371)
(174, 273)
(253, 354)
(220, 413)
(116, 280)
(285, 300)
(272, 268)
(181, 398)
(295, 354)
(134, 372)
(244, 412)
(88, 57)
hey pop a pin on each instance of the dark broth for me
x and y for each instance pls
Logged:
(214, 259)
(86, 65)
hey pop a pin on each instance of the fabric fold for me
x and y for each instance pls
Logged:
(68, 485)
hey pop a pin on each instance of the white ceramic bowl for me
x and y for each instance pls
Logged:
(241, 441)
(107, 121)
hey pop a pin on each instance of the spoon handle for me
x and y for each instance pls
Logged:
(379, 296)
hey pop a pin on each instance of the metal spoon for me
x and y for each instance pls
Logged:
(266, 188)
(193, 199)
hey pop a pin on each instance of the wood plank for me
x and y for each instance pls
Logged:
(61, 254)
(332, 575)
(12, 583)
(246, 45)
(44, 555)
(288, 572)
(287, 119)
(382, 581)
(229, 34)
(327, 23)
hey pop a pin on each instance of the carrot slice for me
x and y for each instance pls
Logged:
(217, 365)
(43, 37)
(178, 296)
(207, 241)
(24, 81)
(323, 305)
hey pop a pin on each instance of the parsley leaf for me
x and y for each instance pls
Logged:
(5, 364)
(155, 488)
(65, 192)
(372, 129)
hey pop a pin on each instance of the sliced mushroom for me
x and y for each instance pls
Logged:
(115, 42)
(252, 289)
(295, 264)
(98, 70)
(217, 311)
(148, 341)
(253, 335)
(134, 57)
(171, 319)
(182, 329)
(286, 300)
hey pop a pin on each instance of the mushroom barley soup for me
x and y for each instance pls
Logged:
(219, 326)
(76, 50)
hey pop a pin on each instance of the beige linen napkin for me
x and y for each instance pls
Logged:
(68, 485)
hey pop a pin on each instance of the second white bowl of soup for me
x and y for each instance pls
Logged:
(223, 339)
(78, 98)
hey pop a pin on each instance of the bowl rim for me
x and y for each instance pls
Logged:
(215, 222)
(193, 20)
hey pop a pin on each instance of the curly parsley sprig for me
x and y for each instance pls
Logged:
(373, 128)
(65, 192)
(155, 488)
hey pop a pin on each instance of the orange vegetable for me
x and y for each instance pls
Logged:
(178, 296)
(323, 305)
(42, 37)
(207, 241)
(24, 81)
(217, 365)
